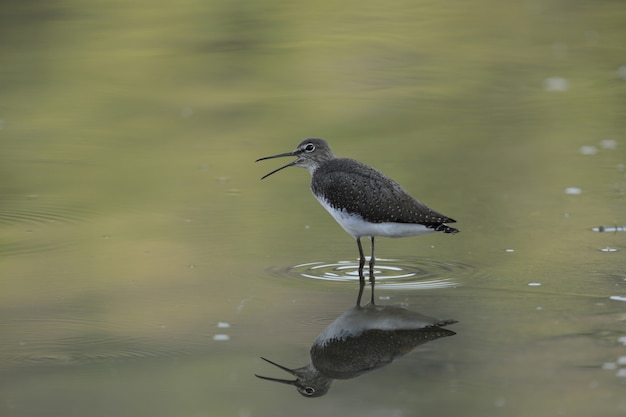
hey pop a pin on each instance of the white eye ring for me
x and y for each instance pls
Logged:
(309, 147)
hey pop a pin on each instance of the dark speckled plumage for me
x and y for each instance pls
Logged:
(359, 189)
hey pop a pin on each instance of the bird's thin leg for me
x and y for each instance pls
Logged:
(372, 262)
(361, 287)
(372, 278)
(361, 261)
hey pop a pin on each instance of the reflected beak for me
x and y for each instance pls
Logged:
(276, 170)
(291, 371)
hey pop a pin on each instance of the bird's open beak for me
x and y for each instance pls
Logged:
(291, 371)
(278, 169)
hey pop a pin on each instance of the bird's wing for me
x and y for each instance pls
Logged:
(360, 189)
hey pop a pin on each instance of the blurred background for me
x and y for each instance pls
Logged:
(145, 268)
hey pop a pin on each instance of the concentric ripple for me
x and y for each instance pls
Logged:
(54, 341)
(31, 224)
(35, 210)
(418, 273)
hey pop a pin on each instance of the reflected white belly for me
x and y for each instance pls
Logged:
(357, 227)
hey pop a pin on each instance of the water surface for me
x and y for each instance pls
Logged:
(146, 269)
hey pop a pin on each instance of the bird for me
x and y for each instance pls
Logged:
(361, 340)
(364, 201)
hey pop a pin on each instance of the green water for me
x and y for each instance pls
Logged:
(135, 234)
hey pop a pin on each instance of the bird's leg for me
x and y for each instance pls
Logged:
(361, 261)
(372, 262)
(361, 287)
(372, 278)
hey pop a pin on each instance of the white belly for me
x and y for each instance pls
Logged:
(357, 227)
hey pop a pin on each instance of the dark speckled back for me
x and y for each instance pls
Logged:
(349, 184)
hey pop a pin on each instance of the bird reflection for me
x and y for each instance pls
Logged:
(360, 340)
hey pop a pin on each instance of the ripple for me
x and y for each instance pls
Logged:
(27, 247)
(76, 341)
(33, 210)
(418, 273)
(32, 224)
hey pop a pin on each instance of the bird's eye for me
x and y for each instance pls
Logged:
(309, 147)
(309, 390)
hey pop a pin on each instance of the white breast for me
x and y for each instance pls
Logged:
(357, 227)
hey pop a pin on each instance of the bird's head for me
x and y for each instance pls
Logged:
(308, 381)
(309, 153)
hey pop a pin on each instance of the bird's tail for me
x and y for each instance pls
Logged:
(446, 229)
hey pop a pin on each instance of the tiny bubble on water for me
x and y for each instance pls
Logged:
(588, 150)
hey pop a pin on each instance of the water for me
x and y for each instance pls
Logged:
(145, 268)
